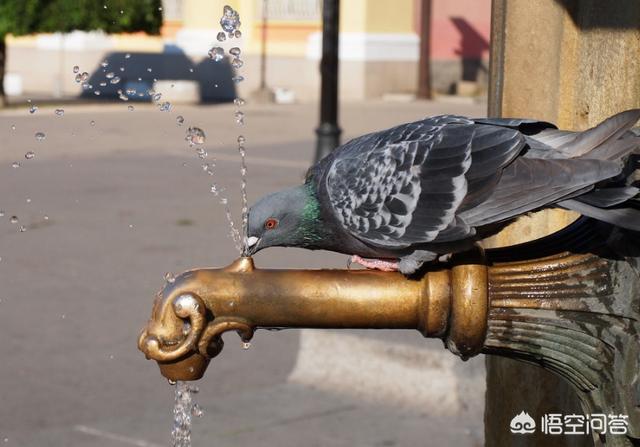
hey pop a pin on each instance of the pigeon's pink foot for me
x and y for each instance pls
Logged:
(376, 264)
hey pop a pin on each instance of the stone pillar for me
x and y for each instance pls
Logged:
(574, 63)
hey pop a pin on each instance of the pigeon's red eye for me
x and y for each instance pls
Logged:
(271, 223)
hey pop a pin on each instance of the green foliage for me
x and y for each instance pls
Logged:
(28, 16)
(18, 16)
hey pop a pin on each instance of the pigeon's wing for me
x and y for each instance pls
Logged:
(404, 186)
(528, 184)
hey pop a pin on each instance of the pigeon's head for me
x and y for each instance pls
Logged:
(283, 219)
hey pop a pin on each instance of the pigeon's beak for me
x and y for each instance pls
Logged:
(252, 244)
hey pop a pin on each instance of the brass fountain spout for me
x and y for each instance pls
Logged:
(191, 314)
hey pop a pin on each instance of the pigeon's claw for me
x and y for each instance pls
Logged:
(385, 265)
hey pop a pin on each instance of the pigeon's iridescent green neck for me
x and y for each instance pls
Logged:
(311, 228)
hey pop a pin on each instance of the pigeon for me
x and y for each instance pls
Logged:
(409, 195)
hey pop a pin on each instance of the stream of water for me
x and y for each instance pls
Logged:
(184, 407)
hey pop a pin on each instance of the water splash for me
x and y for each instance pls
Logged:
(184, 409)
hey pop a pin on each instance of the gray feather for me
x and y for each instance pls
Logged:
(608, 197)
(628, 218)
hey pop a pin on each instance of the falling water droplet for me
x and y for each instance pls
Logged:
(92, 122)
(33, 109)
(76, 69)
(84, 76)
(122, 96)
(13, 219)
(127, 56)
(246, 345)
(22, 229)
(130, 108)
(191, 70)
(241, 139)
(97, 92)
(180, 120)
(165, 106)
(239, 117)
(235, 51)
(40, 136)
(195, 136)
(110, 75)
(104, 64)
(115, 80)
(15, 164)
(59, 112)
(13, 127)
(239, 102)
(209, 168)
(237, 63)
(169, 277)
(202, 154)
(121, 69)
(230, 19)
(45, 217)
(237, 79)
(149, 69)
(103, 84)
(1, 213)
(196, 411)
(237, 34)
(29, 155)
(216, 54)
(171, 382)
(156, 97)
(221, 37)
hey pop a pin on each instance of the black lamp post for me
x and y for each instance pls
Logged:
(328, 131)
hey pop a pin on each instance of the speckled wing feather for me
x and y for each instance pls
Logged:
(404, 186)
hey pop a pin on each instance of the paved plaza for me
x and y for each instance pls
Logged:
(111, 201)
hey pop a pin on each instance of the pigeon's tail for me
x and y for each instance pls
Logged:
(616, 200)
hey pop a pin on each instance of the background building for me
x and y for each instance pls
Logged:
(379, 49)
